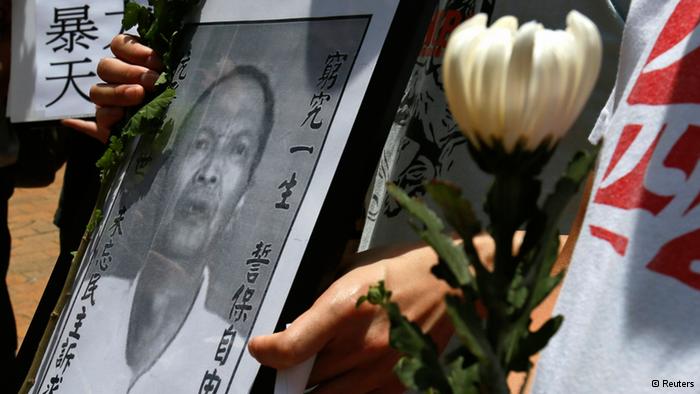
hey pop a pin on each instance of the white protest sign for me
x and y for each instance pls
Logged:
(56, 46)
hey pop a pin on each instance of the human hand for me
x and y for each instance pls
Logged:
(128, 76)
(353, 343)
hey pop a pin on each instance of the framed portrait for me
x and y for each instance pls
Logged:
(281, 112)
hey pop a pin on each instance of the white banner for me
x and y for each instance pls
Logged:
(56, 46)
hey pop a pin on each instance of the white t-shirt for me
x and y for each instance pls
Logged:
(631, 298)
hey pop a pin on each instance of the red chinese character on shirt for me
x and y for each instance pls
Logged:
(670, 76)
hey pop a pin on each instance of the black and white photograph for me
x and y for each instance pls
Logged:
(173, 281)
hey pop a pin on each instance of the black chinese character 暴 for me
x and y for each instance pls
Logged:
(287, 185)
(89, 292)
(210, 383)
(71, 26)
(225, 344)
(241, 303)
(330, 71)
(70, 79)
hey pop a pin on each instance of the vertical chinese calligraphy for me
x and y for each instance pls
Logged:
(69, 344)
(70, 39)
(314, 119)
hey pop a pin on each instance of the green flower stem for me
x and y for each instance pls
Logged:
(67, 290)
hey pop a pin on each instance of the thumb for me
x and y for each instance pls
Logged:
(308, 334)
(87, 127)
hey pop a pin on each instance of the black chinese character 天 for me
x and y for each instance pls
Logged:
(89, 293)
(71, 27)
(210, 383)
(70, 79)
(225, 344)
(330, 71)
(241, 303)
(287, 185)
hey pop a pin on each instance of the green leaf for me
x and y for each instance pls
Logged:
(406, 370)
(132, 12)
(148, 119)
(442, 271)
(457, 210)
(407, 336)
(158, 25)
(376, 295)
(538, 278)
(532, 342)
(517, 293)
(544, 225)
(539, 339)
(460, 215)
(163, 79)
(431, 230)
(420, 368)
(151, 113)
(94, 220)
(469, 328)
(463, 380)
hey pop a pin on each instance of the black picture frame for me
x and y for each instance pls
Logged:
(331, 231)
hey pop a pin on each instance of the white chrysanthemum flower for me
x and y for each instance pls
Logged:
(526, 85)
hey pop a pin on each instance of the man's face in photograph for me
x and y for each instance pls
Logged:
(214, 167)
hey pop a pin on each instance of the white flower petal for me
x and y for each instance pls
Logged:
(590, 48)
(541, 105)
(491, 58)
(517, 81)
(564, 48)
(456, 71)
(506, 22)
(530, 84)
